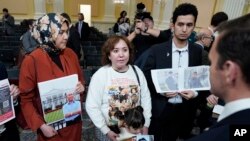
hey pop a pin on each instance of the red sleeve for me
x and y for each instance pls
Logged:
(28, 94)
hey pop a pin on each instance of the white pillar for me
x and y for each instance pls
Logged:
(40, 9)
(162, 13)
(109, 15)
(234, 8)
(58, 6)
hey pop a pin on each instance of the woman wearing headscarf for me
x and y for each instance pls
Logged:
(50, 60)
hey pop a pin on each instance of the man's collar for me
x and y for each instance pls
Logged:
(175, 48)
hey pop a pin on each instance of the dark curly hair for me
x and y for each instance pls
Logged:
(185, 9)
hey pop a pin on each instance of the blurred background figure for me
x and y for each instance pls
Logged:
(122, 25)
(8, 22)
(74, 41)
(216, 20)
(140, 8)
(82, 28)
(28, 41)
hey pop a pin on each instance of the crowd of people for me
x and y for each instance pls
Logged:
(122, 100)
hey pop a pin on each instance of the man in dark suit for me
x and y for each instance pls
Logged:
(82, 27)
(8, 22)
(173, 113)
(74, 41)
(230, 78)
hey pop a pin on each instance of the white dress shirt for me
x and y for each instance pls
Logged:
(179, 60)
(234, 107)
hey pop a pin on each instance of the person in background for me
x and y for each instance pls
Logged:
(9, 130)
(110, 87)
(82, 28)
(123, 14)
(216, 20)
(28, 41)
(122, 25)
(51, 60)
(173, 113)
(140, 8)
(140, 39)
(74, 41)
(230, 80)
(8, 23)
(204, 39)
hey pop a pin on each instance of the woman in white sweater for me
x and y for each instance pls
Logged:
(115, 87)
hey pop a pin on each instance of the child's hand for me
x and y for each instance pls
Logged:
(145, 130)
(112, 135)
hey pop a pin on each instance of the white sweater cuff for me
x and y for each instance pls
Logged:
(105, 130)
(147, 122)
(195, 94)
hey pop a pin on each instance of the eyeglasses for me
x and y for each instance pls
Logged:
(209, 37)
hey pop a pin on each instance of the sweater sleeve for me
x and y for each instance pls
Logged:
(94, 102)
(145, 98)
(27, 85)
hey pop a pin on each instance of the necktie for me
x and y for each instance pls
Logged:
(179, 61)
(80, 27)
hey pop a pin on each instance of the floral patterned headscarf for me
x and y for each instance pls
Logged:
(46, 30)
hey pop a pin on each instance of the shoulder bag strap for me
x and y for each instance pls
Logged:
(137, 77)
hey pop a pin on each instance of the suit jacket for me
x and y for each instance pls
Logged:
(205, 60)
(74, 41)
(29, 43)
(84, 31)
(221, 130)
(3, 72)
(159, 57)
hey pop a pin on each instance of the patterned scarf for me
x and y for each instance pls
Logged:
(46, 30)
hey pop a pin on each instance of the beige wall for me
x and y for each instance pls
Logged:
(20, 9)
(23, 9)
(72, 7)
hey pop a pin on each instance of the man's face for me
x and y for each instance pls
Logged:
(216, 78)
(148, 23)
(5, 13)
(207, 38)
(80, 17)
(183, 27)
(70, 97)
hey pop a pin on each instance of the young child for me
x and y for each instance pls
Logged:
(133, 121)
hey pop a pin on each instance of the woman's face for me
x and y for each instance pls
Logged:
(119, 56)
(62, 37)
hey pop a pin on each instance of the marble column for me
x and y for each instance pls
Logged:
(162, 13)
(234, 8)
(109, 15)
(58, 6)
(40, 8)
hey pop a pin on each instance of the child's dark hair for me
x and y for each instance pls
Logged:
(134, 117)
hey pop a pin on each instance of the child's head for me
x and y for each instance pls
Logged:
(134, 119)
